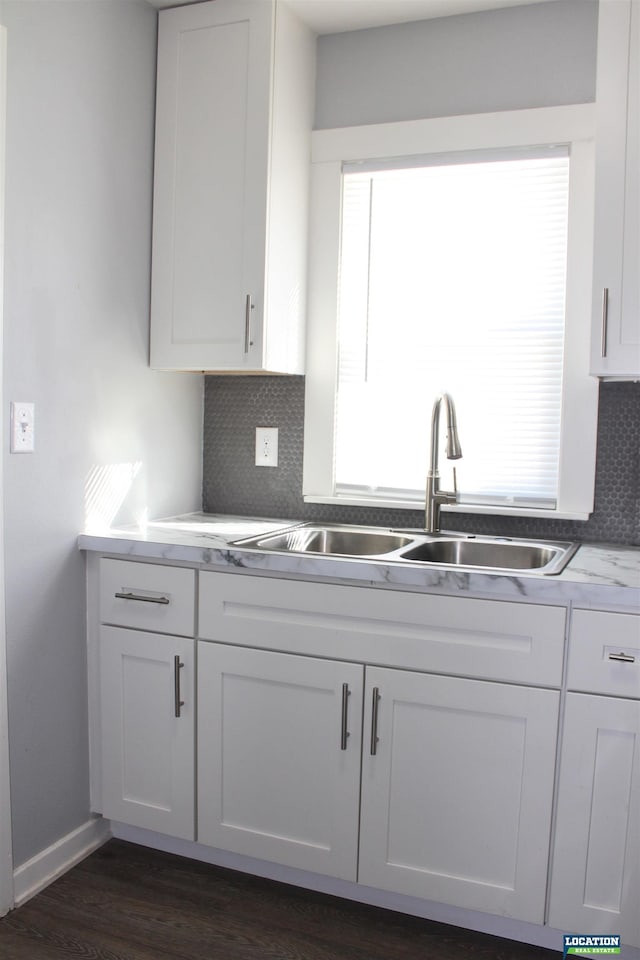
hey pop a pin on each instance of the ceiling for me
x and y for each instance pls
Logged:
(337, 16)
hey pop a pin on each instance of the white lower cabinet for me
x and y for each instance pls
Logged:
(596, 863)
(595, 879)
(445, 793)
(279, 757)
(457, 775)
(403, 741)
(457, 785)
(147, 730)
(415, 755)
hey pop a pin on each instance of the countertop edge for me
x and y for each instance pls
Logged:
(598, 576)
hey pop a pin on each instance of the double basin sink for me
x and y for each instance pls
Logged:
(448, 550)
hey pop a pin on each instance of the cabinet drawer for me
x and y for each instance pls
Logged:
(491, 639)
(147, 596)
(604, 653)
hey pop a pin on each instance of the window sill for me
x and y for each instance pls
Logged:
(459, 508)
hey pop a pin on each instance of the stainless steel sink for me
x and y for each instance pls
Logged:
(493, 553)
(342, 541)
(451, 550)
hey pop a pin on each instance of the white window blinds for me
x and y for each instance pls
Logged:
(452, 277)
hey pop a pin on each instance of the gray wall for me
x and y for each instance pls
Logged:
(80, 106)
(531, 56)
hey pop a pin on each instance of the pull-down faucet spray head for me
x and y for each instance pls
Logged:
(454, 450)
(435, 497)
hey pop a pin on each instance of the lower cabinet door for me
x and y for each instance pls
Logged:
(457, 785)
(147, 730)
(279, 757)
(595, 881)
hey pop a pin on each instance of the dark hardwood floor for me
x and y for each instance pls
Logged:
(128, 903)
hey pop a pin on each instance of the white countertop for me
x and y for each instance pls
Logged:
(598, 575)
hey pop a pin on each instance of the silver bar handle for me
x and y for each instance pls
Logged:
(344, 733)
(141, 598)
(177, 667)
(605, 321)
(374, 721)
(248, 342)
(622, 657)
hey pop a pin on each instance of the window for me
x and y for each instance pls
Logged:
(463, 267)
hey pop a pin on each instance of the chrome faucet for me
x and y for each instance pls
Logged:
(435, 497)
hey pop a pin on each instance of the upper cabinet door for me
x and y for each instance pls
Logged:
(616, 290)
(233, 119)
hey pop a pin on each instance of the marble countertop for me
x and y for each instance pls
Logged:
(598, 575)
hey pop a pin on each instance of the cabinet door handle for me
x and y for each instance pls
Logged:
(622, 657)
(248, 342)
(605, 321)
(177, 667)
(344, 733)
(374, 721)
(141, 598)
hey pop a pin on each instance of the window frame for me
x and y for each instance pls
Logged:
(573, 125)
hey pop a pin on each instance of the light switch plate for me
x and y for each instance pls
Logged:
(266, 446)
(22, 427)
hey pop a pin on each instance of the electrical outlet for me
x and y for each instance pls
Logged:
(22, 427)
(266, 446)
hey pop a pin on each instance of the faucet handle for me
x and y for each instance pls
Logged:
(455, 484)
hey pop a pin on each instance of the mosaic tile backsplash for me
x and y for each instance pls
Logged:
(235, 406)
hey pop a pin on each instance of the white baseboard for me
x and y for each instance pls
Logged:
(37, 873)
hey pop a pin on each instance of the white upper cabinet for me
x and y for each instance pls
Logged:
(234, 110)
(616, 290)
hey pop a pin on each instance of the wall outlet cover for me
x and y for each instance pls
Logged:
(266, 446)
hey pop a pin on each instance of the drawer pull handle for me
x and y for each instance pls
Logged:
(622, 657)
(177, 667)
(344, 733)
(374, 721)
(138, 596)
